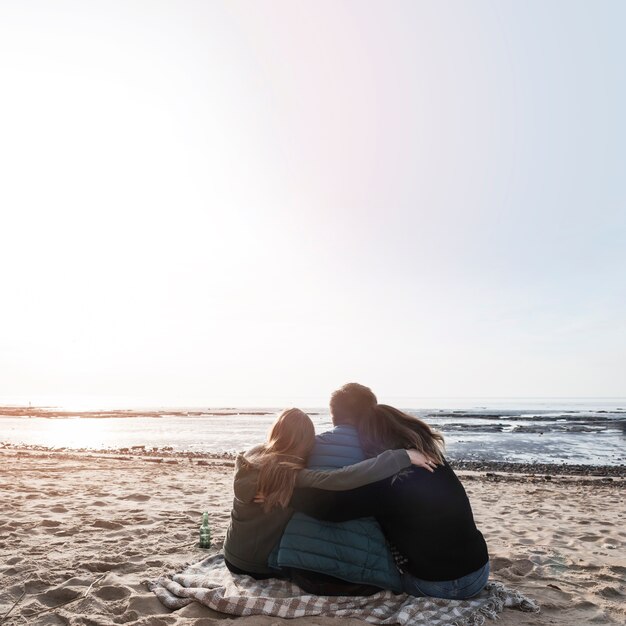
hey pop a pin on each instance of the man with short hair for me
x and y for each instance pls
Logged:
(345, 558)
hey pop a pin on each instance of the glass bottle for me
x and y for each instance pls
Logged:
(205, 532)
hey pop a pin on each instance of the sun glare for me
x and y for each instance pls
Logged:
(75, 433)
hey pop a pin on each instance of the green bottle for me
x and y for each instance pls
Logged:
(205, 532)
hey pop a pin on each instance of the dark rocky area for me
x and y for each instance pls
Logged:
(488, 469)
(550, 469)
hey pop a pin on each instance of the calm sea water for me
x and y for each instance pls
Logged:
(548, 431)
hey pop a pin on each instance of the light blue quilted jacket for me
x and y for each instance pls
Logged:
(355, 551)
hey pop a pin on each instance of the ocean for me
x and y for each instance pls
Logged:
(564, 430)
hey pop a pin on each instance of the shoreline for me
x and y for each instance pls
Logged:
(584, 442)
(488, 470)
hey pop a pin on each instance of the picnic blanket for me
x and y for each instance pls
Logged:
(209, 582)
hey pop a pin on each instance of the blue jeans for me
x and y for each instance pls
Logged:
(459, 589)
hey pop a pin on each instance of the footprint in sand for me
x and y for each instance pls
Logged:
(48, 523)
(145, 604)
(135, 497)
(58, 595)
(102, 566)
(36, 585)
(112, 593)
(58, 509)
(611, 593)
(498, 563)
(128, 616)
(101, 523)
(522, 567)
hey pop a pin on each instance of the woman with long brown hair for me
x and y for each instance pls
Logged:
(426, 516)
(265, 478)
(387, 428)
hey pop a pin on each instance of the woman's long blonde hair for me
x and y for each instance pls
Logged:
(387, 428)
(285, 453)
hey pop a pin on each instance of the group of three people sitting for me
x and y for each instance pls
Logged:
(372, 504)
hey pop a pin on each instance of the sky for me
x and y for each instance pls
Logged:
(256, 202)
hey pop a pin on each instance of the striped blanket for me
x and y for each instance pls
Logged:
(209, 582)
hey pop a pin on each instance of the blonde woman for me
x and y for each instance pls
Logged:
(266, 476)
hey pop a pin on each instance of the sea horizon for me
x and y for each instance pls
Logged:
(95, 403)
(521, 430)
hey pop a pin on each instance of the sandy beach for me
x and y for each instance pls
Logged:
(81, 533)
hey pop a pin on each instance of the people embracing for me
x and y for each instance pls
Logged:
(379, 507)
(265, 478)
(348, 558)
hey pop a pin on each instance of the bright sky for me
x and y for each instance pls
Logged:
(255, 202)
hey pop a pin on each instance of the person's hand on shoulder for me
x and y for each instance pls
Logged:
(422, 460)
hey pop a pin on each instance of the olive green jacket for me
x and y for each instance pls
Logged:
(252, 533)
